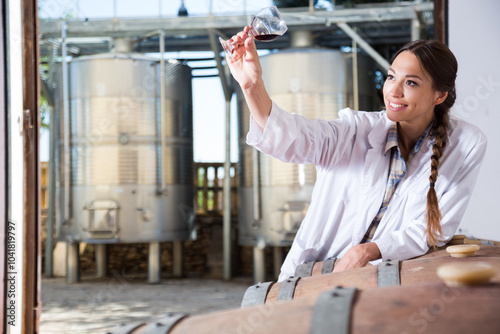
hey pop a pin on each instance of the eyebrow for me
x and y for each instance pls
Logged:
(406, 76)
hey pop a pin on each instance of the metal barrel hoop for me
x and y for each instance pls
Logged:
(388, 273)
(256, 294)
(287, 288)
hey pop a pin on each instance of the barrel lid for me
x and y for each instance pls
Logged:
(465, 250)
(466, 273)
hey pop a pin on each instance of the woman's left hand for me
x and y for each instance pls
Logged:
(358, 256)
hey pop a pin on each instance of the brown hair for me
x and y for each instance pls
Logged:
(440, 63)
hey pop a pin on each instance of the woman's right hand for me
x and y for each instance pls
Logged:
(245, 67)
(247, 71)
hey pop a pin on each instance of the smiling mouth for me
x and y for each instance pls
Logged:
(396, 106)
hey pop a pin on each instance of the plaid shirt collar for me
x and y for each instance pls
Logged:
(392, 140)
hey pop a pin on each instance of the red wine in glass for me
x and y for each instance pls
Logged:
(266, 26)
(267, 37)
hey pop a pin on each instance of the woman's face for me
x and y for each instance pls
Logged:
(409, 95)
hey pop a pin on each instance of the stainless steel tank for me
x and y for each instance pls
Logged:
(313, 82)
(116, 161)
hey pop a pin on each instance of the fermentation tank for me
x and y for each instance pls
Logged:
(315, 83)
(126, 184)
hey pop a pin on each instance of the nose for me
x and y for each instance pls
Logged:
(396, 89)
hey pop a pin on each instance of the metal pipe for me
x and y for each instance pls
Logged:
(365, 46)
(66, 128)
(49, 242)
(259, 265)
(278, 260)
(72, 262)
(101, 260)
(257, 205)
(227, 197)
(223, 78)
(154, 262)
(163, 118)
(355, 88)
(177, 258)
(228, 92)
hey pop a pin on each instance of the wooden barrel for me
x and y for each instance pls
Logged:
(409, 272)
(429, 308)
(314, 268)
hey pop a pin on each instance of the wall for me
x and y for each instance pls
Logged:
(473, 37)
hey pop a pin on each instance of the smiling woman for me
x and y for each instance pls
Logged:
(381, 164)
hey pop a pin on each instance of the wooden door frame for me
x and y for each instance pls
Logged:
(31, 302)
(3, 162)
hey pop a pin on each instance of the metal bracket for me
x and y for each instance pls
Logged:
(304, 269)
(332, 312)
(256, 294)
(388, 273)
(165, 324)
(287, 288)
(125, 328)
(328, 265)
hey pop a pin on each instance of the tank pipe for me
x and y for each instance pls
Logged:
(355, 74)
(226, 225)
(228, 92)
(66, 167)
(47, 91)
(49, 243)
(223, 77)
(256, 187)
(364, 45)
(163, 119)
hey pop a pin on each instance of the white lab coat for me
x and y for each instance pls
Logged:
(351, 178)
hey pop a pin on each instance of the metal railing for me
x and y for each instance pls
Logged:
(209, 182)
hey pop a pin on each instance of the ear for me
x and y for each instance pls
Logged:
(440, 97)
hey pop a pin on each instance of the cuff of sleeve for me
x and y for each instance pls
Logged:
(255, 136)
(402, 245)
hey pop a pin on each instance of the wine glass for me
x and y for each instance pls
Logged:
(266, 26)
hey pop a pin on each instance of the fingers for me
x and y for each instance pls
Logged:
(242, 43)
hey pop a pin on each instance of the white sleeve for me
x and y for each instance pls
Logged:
(294, 138)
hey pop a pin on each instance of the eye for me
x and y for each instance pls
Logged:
(390, 77)
(411, 83)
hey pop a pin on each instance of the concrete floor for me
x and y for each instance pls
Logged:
(99, 305)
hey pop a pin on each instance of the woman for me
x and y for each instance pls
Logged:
(377, 194)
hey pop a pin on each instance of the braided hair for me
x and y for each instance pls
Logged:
(440, 63)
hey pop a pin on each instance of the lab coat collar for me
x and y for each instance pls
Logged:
(378, 136)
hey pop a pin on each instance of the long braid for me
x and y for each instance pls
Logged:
(433, 216)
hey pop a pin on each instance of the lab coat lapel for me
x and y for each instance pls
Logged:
(420, 165)
(374, 178)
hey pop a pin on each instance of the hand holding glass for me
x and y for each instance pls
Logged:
(266, 26)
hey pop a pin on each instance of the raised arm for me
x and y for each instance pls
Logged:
(247, 72)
